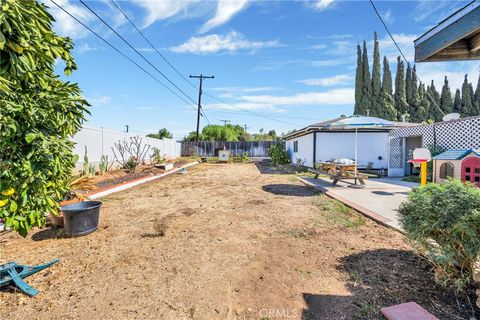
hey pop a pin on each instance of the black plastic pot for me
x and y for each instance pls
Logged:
(81, 218)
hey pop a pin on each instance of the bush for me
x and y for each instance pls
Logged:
(443, 220)
(38, 114)
(278, 154)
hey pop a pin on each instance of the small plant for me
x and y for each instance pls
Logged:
(130, 153)
(131, 165)
(300, 162)
(245, 157)
(278, 154)
(104, 165)
(442, 220)
(88, 170)
(157, 157)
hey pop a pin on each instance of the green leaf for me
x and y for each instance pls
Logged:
(2, 40)
(30, 137)
(13, 206)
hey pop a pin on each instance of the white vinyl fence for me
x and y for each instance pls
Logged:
(100, 142)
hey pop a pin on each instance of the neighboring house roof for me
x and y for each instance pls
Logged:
(325, 126)
(455, 38)
(455, 154)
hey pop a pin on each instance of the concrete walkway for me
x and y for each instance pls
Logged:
(379, 199)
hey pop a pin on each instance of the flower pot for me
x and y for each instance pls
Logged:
(56, 219)
(81, 218)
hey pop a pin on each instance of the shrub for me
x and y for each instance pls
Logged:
(443, 220)
(278, 154)
(38, 114)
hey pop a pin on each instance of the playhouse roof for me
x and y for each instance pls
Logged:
(455, 154)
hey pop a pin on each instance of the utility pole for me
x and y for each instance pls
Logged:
(126, 128)
(199, 109)
(245, 127)
(225, 122)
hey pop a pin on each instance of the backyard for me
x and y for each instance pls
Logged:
(238, 241)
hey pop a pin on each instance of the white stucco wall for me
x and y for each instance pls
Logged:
(371, 145)
(305, 149)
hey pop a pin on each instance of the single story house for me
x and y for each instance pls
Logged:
(319, 142)
(457, 164)
(459, 134)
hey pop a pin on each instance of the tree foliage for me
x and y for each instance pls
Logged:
(38, 114)
(412, 98)
(443, 220)
(161, 134)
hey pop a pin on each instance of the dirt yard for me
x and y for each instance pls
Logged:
(233, 241)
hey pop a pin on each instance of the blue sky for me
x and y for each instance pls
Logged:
(293, 61)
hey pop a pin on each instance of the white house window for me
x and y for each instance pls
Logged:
(295, 146)
(446, 170)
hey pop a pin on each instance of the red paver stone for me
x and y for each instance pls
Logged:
(407, 311)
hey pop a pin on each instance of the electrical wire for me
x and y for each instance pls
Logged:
(136, 51)
(121, 53)
(401, 52)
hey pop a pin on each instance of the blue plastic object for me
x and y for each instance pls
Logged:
(13, 274)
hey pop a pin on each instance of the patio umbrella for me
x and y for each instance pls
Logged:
(359, 122)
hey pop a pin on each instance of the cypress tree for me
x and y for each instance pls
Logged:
(387, 108)
(434, 113)
(400, 97)
(376, 83)
(457, 102)
(367, 85)
(358, 82)
(446, 102)
(467, 107)
(476, 99)
(416, 114)
(408, 85)
(423, 105)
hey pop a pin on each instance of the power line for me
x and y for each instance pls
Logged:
(248, 111)
(175, 69)
(401, 52)
(134, 49)
(121, 53)
(151, 45)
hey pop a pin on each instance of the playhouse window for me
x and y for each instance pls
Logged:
(295, 146)
(446, 170)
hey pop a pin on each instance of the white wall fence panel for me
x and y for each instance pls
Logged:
(100, 142)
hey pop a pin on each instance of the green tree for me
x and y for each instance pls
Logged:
(161, 134)
(376, 83)
(434, 113)
(400, 97)
(467, 106)
(387, 110)
(446, 102)
(457, 102)
(476, 99)
(409, 85)
(366, 84)
(417, 113)
(359, 83)
(420, 114)
(38, 114)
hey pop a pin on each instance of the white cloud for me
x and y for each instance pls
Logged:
(86, 47)
(388, 16)
(226, 9)
(455, 71)
(212, 43)
(66, 25)
(321, 5)
(404, 41)
(160, 10)
(244, 89)
(343, 96)
(99, 101)
(328, 81)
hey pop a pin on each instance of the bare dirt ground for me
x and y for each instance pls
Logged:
(233, 241)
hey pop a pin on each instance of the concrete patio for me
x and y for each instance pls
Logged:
(379, 199)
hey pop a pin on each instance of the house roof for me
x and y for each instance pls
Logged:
(325, 126)
(455, 38)
(455, 154)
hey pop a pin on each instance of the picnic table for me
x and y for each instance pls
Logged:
(339, 171)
